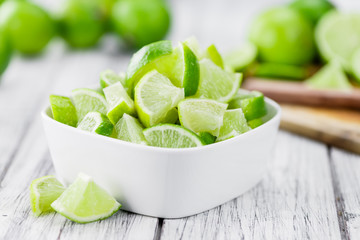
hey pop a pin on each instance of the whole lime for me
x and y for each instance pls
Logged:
(313, 10)
(283, 35)
(83, 22)
(28, 26)
(5, 52)
(140, 22)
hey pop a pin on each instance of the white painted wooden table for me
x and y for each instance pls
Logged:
(312, 191)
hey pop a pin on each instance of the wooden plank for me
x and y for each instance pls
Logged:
(31, 160)
(346, 180)
(295, 200)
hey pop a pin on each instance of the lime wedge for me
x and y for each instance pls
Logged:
(129, 129)
(213, 54)
(171, 136)
(202, 115)
(63, 110)
(255, 123)
(238, 97)
(216, 83)
(119, 102)
(109, 77)
(241, 57)
(193, 44)
(43, 192)
(355, 63)
(88, 100)
(155, 96)
(84, 201)
(282, 71)
(96, 122)
(338, 37)
(207, 138)
(252, 104)
(331, 76)
(234, 125)
(141, 61)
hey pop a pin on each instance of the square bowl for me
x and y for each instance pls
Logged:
(163, 182)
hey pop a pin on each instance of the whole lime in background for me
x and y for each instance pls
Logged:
(283, 35)
(28, 26)
(313, 10)
(83, 22)
(140, 22)
(5, 52)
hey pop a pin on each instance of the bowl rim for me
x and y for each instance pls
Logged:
(269, 101)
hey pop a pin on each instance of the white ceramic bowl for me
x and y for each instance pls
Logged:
(161, 182)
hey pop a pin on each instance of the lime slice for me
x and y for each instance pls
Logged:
(43, 192)
(213, 54)
(140, 62)
(355, 63)
(96, 122)
(119, 102)
(330, 33)
(84, 201)
(171, 136)
(193, 44)
(202, 115)
(254, 106)
(216, 83)
(234, 125)
(88, 100)
(63, 110)
(255, 123)
(241, 57)
(109, 77)
(331, 76)
(281, 71)
(155, 96)
(207, 138)
(129, 129)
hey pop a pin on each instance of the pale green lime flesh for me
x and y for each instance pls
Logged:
(171, 136)
(130, 129)
(63, 110)
(356, 65)
(96, 122)
(241, 57)
(84, 201)
(43, 192)
(234, 124)
(155, 96)
(338, 37)
(331, 76)
(88, 100)
(119, 102)
(109, 77)
(202, 115)
(216, 83)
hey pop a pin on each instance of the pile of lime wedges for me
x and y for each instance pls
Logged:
(178, 96)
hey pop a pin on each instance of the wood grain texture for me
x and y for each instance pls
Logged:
(340, 128)
(294, 201)
(346, 178)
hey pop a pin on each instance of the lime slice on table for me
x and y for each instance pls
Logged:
(155, 99)
(140, 62)
(119, 102)
(109, 77)
(338, 37)
(241, 57)
(63, 110)
(171, 136)
(355, 64)
(88, 100)
(202, 115)
(84, 201)
(216, 83)
(234, 124)
(281, 71)
(331, 76)
(96, 122)
(130, 129)
(43, 192)
(182, 68)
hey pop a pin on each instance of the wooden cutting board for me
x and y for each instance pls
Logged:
(337, 124)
